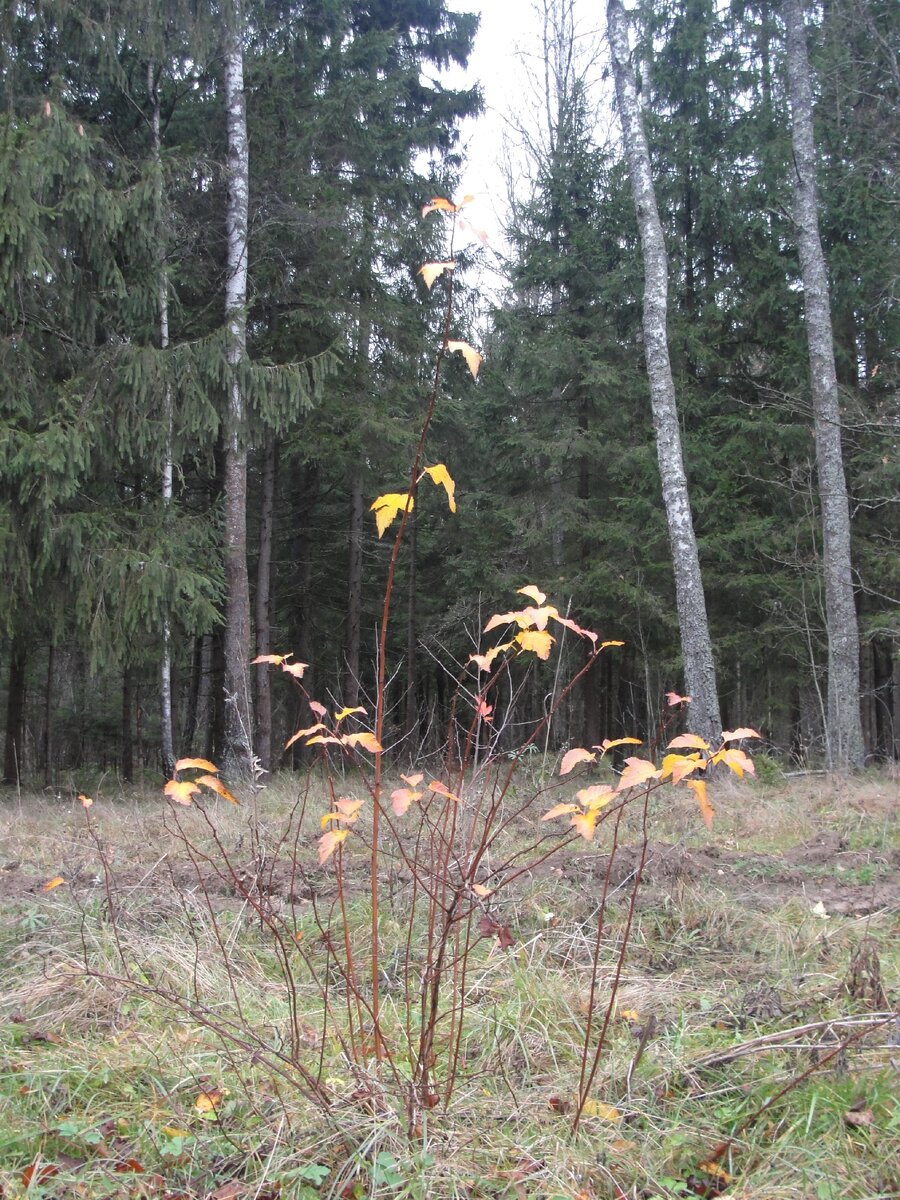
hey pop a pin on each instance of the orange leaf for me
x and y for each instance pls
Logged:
(438, 204)
(585, 823)
(348, 807)
(85, 801)
(324, 740)
(595, 797)
(672, 698)
(440, 476)
(469, 353)
(637, 771)
(402, 798)
(201, 764)
(53, 883)
(573, 757)
(329, 842)
(688, 741)
(434, 270)
(367, 740)
(304, 733)
(559, 810)
(736, 761)
(387, 507)
(698, 787)
(536, 640)
(295, 669)
(483, 661)
(480, 890)
(209, 1101)
(348, 712)
(413, 780)
(442, 790)
(679, 765)
(216, 785)
(735, 735)
(608, 745)
(532, 593)
(181, 792)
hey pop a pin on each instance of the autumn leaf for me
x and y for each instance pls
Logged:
(688, 741)
(181, 791)
(481, 891)
(698, 787)
(679, 765)
(413, 780)
(585, 633)
(585, 823)
(53, 883)
(606, 744)
(325, 739)
(84, 801)
(532, 593)
(483, 661)
(559, 810)
(275, 659)
(348, 807)
(329, 842)
(200, 764)
(596, 1108)
(317, 709)
(434, 270)
(572, 758)
(368, 741)
(483, 710)
(469, 353)
(637, 771)
(736, 761)
(402, 798)
(672, 698)
(606, 645)
(536, 640)
(735, 735)
(438, 204)
(209, 1101)
(348, 712)
(442, 790)
(310, 729)
(295, 669)
(440, 476)
(595, 797)
(387, 507)
(216, 785)
(510, 618)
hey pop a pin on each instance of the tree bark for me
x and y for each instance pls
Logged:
(49, 694)
(264, 605)
(237, 754)
(128, 707)
(411, 718)
(354, 594)
(15, 716)
(844, 739)
(696, 647)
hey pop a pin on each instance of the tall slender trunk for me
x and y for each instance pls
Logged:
(264, 604)
(354, 594)
(128, 709)
(696, 647)
(167, 736)
(236, 648)
(49, 686)
(411, 716)
(15, 715)
(844, 739)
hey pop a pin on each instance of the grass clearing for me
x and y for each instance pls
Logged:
(739, 938)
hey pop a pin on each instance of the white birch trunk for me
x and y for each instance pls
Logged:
(238, 723)
(844, 740)
(696, 648)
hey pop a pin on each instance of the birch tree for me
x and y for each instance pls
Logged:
(844, 741)
(696, 647)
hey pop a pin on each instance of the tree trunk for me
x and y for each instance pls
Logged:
(15, 716)
(237, 753)
(844, 727)
(699, 670)
(128, 706)
(264, 605)
(411, 721)
(354, 594)
(49, 694)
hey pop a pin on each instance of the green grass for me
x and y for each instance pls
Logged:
(98, 1077)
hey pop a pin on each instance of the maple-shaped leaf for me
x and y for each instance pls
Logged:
(440, 476)
(735, 735)
(736, 761)
(596, 797)
(686, 741)
(367, 740)
(275, 659)
(532, 593)
(559, 810)
(442, 790)
(538, 617)
(295, 669)
(585, 823)
(402, 798)
(217, 786)
(434, 270)
(637, 771)
(536, 640)
(413, 780)
(672, 698)
(200, 764)
(438, 204)
(304, 733)
(387, 507)
(679, 766)
(348, 712)
(483, 661)
(469, 353)
(698, 787)
(53, 883)
(483, 710)
(318, 709)
(572, 758)
(608, 744)
(329, 842)
(181, 791)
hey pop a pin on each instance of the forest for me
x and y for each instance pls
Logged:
(217, 348)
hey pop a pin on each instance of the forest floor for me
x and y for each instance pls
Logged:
(756, 949)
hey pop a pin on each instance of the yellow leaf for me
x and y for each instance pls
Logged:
(295, 669)
(275, 659)
(442, 790)
(596, 1108)
(304, 733)
(629, 1014)
(736, 761)
(698, 787)
(324, 740)
(585, 823)
(402, 798)
(329, 842)
(216, 785)
(85, 801)
(536, 640)
(538, 617)
(387, 507)
(637, 771)
(367, 740)
(522, 619)
(532, 593)
(679, 765)
(434, 270)
(606, 744)
(438, 204)
(209, 1101)
(596, 797)
(181, 791)
(735, 735)
(441, 477)
(483, 661)
(715, 1170)
(559, 810)
(172, 1132)
(413, 780)
(53, 883)
(201, 764)
(348, 712)
(688, 741)
(469, 353)
(347, 811)
(572, 758)
(480, 890)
